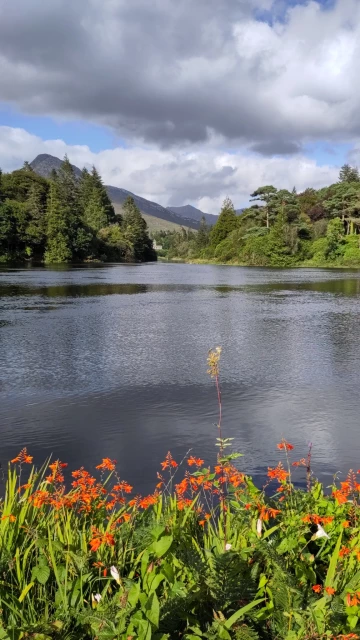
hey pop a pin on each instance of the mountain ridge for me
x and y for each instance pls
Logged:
(45, 163)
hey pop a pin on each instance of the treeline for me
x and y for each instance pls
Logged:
(67, 219)
(281, 228)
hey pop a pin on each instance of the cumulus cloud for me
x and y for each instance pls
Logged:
(178, 73)
(175, 176)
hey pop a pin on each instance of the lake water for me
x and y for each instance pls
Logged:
(111, 361)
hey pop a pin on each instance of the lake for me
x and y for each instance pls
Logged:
(111, 361)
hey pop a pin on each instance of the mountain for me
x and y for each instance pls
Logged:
(118, 196)
(188, 211)
(45, 163)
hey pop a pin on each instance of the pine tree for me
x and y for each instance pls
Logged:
(266, 194)
(225, 224)
(59, 246)
(36, 227)
(95, 215)
(202, 236)
(105, 200)
(97, 209)
(135, 231)
(349, 174)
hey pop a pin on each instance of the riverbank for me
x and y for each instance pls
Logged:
(206, 555)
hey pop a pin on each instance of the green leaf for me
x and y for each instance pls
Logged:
(156, 581)
(152, 609)
(41, 573)
(144, 630)
(133, 595)
(25, 591)
(241, 612)
(333, 562)
(160, 547)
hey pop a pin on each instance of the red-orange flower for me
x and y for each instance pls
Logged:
(100, 538)
(107, 464)
(278, 473)
(330, 591)
(23, 457)
(317, 588)
(195, 461)
(344, 551)
(168, 462)
(11, 517)
(286, 446)
(346, 524)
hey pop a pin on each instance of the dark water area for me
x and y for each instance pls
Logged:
(111, 361)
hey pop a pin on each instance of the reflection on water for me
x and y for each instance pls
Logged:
(90, 366)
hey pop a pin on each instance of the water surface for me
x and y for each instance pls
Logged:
(111, 361)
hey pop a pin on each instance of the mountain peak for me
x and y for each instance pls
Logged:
(45, 163)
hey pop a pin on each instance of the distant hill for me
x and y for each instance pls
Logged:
(45, 163)
(188, 211)
(118, 196)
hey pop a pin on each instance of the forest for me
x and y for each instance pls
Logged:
(67, 220)
(281, 228)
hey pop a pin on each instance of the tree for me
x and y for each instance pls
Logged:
(58, 246)
(349, 174)
(96, 205)
(225, 224)
(36, 227)
(202, 236)
(342, 199)
(27, 167)
(334, 238)
(135, 232)
(265, 194)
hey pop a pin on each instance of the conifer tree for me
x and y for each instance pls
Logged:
(135, 231)
(58, 247)
(225, 224)
(36, 227)
(349, 174)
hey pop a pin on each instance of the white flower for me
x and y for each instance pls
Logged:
(115, 574)
(320, 532)
(228, 546)
(259, 527)
(97, 597)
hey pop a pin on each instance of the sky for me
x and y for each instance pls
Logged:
(181, 101)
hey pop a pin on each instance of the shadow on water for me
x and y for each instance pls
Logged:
(344, 287)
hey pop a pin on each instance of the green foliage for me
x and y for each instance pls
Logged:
(225, 224)
(65, 220)
(349, 174)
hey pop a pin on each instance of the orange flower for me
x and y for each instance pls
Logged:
(24, 487)
(317, 588)
(123, 486)
(195, 461)
(144, 503)
(286, 446)
(107, 464)
(339, 496)
(168, 462)
(23, 457)
(278, 473)
(10, 516)
(330, 591)
(99, 539)
(202, 522)
(56, 475)
(346, 524)
(299, 463)
(344, 551)
(38, 498)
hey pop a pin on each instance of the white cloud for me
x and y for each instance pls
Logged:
(203, 178)
(171, 72)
